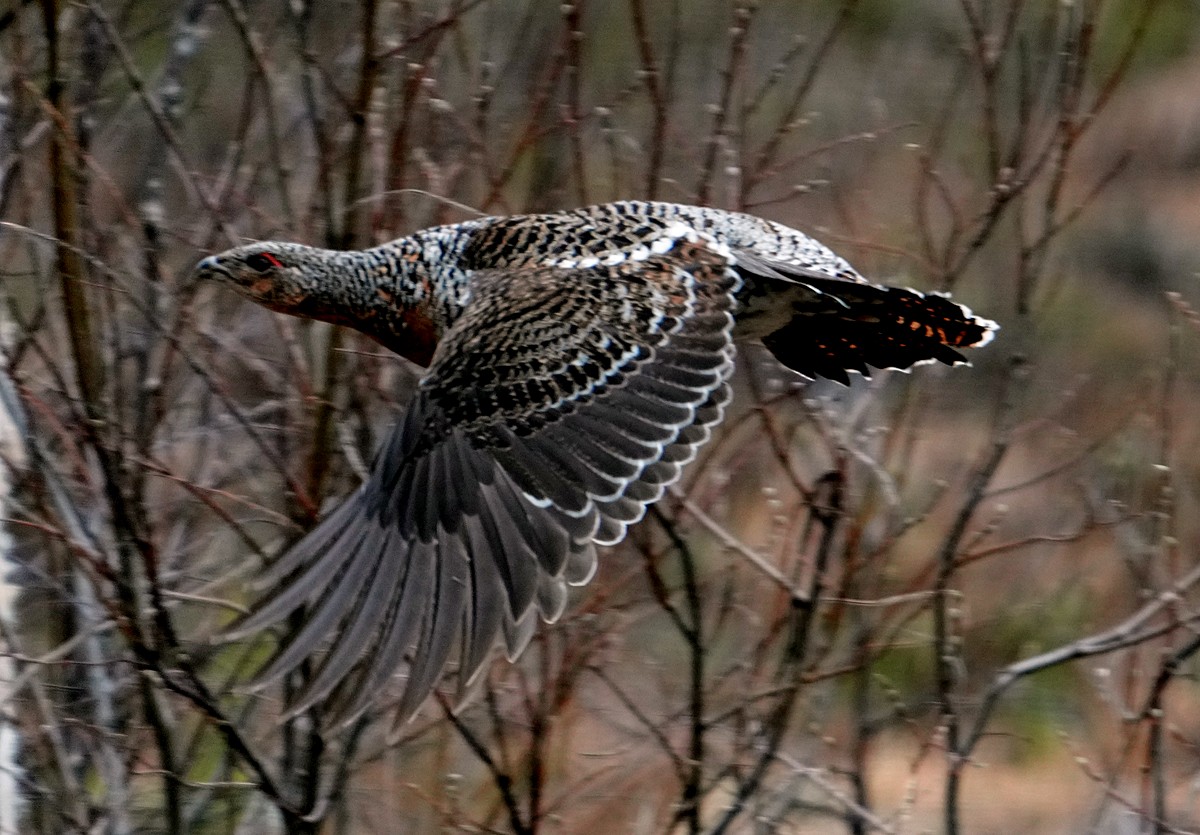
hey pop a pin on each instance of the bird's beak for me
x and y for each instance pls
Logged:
(210, 267)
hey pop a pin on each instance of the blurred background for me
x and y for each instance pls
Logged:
(956, 600)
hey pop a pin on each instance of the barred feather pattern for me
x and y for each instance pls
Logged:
(576, 362)
(555, 409)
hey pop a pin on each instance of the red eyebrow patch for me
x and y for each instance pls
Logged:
(263, 261)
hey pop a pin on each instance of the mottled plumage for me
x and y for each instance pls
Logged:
(576, 362)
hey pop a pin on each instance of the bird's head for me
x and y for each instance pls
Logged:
(280, 276)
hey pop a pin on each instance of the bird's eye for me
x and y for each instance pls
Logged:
(262, 261)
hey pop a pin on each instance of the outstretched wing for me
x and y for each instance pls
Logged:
(560, 403)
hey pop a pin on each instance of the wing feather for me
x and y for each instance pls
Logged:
(363, 621)
(557, 406)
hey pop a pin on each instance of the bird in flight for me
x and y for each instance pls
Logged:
(575, 362)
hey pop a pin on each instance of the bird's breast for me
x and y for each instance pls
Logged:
(410, 332)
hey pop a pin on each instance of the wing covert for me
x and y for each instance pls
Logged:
(562, 401)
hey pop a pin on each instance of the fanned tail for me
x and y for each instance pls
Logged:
(856, 327)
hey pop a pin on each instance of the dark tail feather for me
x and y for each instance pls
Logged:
(874, 327)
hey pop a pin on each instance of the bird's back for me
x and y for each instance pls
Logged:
(807, 304)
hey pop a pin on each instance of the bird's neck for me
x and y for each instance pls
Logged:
(403, 294)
